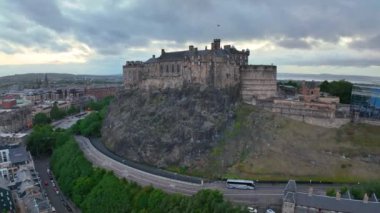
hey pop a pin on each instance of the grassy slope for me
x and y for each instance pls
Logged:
(262, 145)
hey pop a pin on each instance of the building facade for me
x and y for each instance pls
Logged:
(365, 102)
(300, 202)
(216, 67)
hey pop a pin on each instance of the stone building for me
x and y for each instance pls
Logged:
(100, 92)
(300, 202)
(216, 67)
(15, 120)
(310, 91)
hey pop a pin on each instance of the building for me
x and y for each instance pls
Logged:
(216, 67)
(6, 200)
(12, 139)
(15, 120)
(11, 158)
(100, 92)
(365, 102)
(300, 202)
(29, 191)
(310, 91)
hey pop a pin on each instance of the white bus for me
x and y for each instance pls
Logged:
(240, 184)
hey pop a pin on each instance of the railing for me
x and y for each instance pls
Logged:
(145, 168)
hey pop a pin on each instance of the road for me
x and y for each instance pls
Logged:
(59, 201)
(263, 195)
(67, 122)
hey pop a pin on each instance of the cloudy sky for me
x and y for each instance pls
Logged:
(98, 36)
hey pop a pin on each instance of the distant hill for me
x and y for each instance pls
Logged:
(57, 77)
(30, 80)
(330, 77)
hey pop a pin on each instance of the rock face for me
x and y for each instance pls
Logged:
(172, 127)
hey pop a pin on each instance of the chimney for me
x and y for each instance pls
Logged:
(191, 48)
(338, 195)
(310, 191)
(196, 49)
(162, 51)
(365, 198)
(217, 44)
(205, 47)
(153, 56)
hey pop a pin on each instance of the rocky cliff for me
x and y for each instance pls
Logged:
(170, 127)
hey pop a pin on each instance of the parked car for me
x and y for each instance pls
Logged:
(269, 211)
(46, 183)
(251, 210)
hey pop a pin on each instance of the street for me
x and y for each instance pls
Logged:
(58, 201)
(263, 195)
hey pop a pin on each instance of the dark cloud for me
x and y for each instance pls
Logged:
(371, 43)
(110, 28)
(43, 12)
(294, 44)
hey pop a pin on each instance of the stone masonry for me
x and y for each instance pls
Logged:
(216, 67)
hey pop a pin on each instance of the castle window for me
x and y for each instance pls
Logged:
(172, 68)
(167, 68)
(178, 68)
(161, 68)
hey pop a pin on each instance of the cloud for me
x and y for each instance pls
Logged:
(372, 43)
(294, 44)
(112, 28)
(115, 27)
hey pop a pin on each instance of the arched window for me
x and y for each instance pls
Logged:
(172, 68)
(178, 68)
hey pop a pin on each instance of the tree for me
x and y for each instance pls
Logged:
(56, 113)
(41, 140)
(72, 110)
(41, 119)
(325, 86)
(341, 88)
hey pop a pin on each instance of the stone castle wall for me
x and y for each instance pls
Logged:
(218, 68)
(258, 82)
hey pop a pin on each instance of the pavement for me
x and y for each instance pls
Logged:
(59, 201)
(266, 195)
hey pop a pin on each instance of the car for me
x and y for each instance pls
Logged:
(53, 209)
(68, 208)
(46, 183)
(53, 184)
(269, 211)
(251, 210)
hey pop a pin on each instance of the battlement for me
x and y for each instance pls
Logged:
(250, 68)
(133, 64)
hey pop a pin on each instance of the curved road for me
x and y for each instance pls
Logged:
(264, 195)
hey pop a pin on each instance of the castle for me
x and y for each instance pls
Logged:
(216, 67)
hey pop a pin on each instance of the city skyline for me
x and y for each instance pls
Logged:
(338, 37)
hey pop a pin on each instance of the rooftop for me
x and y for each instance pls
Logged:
(19, 154)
